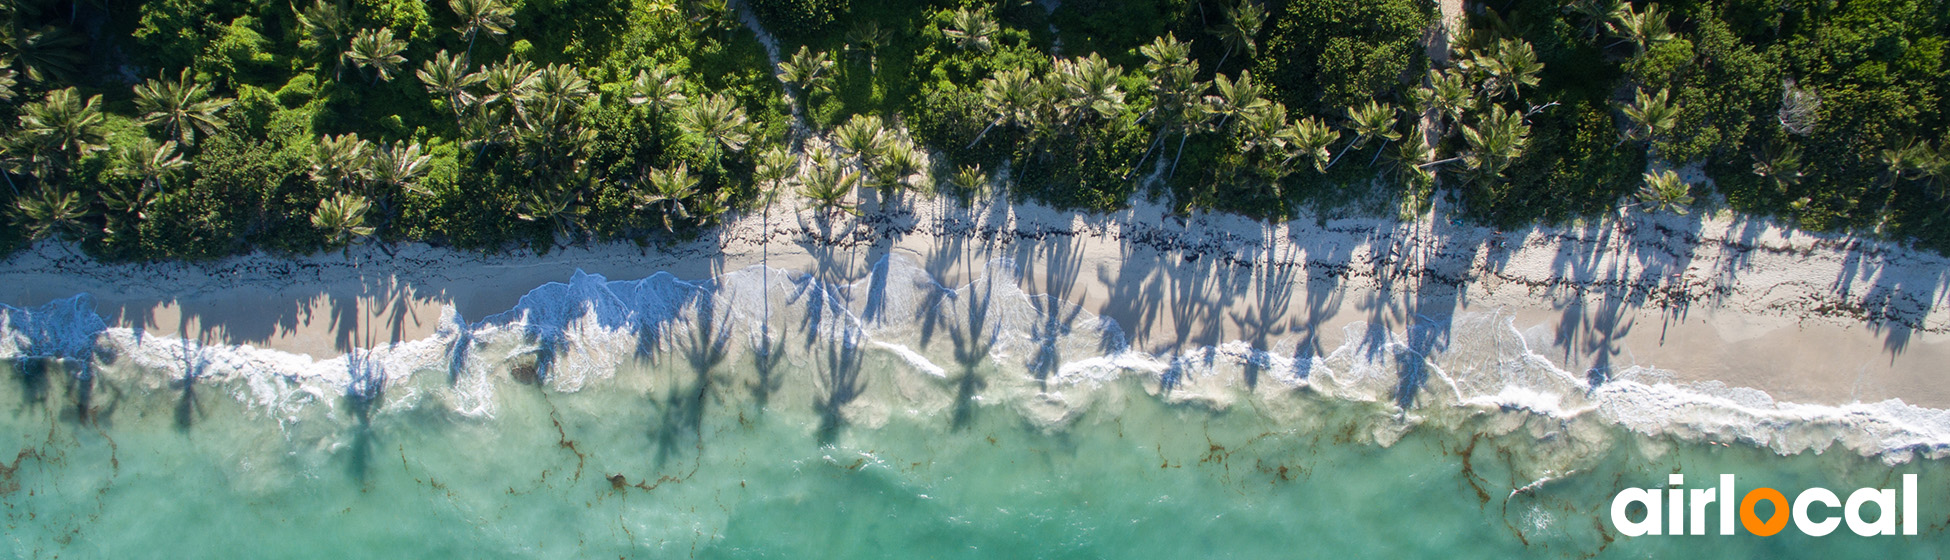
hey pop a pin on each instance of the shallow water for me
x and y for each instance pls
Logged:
(764, 414)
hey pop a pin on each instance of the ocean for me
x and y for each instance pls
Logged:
(765, 413)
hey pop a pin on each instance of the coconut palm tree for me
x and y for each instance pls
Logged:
(1664, 191)
(376, 49)
(970, 182)
(1369, 122)
(8, 80)
(1448, 94)
(1495, 141)
(128, 206)
(62, 128)
(51, 211)
(327, 25)
(1173, 84)
(807, 72)
(1652, 116)
(1088, 85)
(828, 186)
(1600, 17)
(47, 54)
(555, 89)
(448, 77)
(561, 208)
(493, 17)
(658, 88)
(669, 188)
(865, 137)
(1235, 99)
(399, 164)
(1240, 31)
(1782, 167)
(895, 171)
(506, 82)
(149, 163)
(971, 30)
(181, 106)
(1012, 96)
(719, 120)
(343, 218)
(1312, 136)
(1643, 30)
(341, 160)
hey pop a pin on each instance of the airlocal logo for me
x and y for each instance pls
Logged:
(1674, 504)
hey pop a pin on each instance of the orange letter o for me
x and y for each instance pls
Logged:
(1752, 522)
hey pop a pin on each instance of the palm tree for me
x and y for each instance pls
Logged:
(1782, 167)
(65, 125)
(1241, 29)
(971, 30)
(128, 205)
(1368, 122)
(182, 106)
(1089, 83)
(1448, 95)
(151, 164)
(1312, 136)
(1235, 99)
(561, 207)
(1517, 65)
(378, 50)
(51, 212)
(493, 17)
(970, 182)
(865, 137)
(1012, 95)
(448, 77)
(1495, 141)
(807, 72)
(326, 25)
(669, 188)
(719, 120)
(828, 186)
(1644, 30)
(340, 160)
(1600, 17)
(892, 175)
(507, 82)
(658, 88)
(399, 164)
(47, 54)
(1664, 191)
(1651, 115)
(343, 217)
(556, 88)
(7, 80)
(1174, 85)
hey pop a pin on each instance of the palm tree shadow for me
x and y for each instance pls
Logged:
(683, 405)
(840, 382)
(196, 362)
(362, 395)
(972, 347)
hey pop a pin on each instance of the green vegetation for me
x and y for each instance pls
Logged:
(201, 128)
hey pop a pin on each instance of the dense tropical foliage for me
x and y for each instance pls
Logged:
(201, 128)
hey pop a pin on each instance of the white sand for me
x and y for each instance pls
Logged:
(1806, 318)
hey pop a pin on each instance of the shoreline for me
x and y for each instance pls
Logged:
(1806, 318)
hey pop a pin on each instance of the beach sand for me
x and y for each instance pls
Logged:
(1819, 319)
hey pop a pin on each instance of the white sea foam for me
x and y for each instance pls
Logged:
(1051, 358)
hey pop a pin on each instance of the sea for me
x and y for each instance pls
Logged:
(768, 413)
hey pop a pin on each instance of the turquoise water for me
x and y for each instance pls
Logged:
(938, 424)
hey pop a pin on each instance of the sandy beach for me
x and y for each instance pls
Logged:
(1806, 318)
